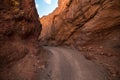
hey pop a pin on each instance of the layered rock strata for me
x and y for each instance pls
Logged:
(91, 26)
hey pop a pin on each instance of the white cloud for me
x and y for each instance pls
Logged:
(37, 5)
(47, 1)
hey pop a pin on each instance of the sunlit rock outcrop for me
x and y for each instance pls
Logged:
(92, 26)
(80, 18)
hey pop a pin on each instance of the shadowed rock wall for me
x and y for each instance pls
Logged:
(19, 49)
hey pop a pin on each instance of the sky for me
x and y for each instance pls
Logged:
(45, 7)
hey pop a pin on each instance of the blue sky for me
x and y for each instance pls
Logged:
(44, 7)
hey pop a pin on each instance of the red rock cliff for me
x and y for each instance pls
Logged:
(91, 26)
(81, 20)
(19, 31)
(21, 18)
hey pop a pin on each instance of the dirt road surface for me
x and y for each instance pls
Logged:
(69, 64)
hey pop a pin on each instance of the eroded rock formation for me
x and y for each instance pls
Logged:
(91, 26)
(20, 54)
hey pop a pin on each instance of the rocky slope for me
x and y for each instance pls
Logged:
(20, 54)
(91, 26)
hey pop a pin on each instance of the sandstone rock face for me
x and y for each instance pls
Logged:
(48, 21)
(81, 18)
(21, 18)
(92, 26)
(19, 31)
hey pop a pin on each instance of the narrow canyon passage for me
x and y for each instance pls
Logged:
(90, 26)
(69, 64)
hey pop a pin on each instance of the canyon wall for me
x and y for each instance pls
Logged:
(19, 49)
(81, 21)
(91, 26)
